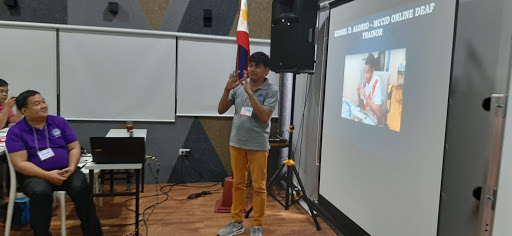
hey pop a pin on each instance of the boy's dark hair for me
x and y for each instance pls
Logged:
(260, 58)
(21, 100)
(371, 61)
(3, 83)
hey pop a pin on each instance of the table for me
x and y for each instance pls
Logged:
(5, 170)
(3, 133)
(136, 167)
(91, 166)
(123, 133)
(352, 112)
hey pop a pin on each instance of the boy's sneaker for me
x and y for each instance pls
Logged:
(256, 231)
(232, 228)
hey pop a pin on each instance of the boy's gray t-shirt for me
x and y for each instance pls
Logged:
(251, 132)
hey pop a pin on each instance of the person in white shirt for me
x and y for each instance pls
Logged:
(370, 99)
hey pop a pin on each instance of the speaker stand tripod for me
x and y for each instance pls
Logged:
(292, 196)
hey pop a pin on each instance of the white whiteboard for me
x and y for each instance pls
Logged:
(28, 60)
(117, 76)
(204, 66)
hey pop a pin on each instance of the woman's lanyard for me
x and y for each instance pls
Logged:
(47, 153)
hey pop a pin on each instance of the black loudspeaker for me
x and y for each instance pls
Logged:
(113, 7)
(292, 40)
(11, 3)
(207, 18)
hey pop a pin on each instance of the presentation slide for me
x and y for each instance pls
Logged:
(386, 97)
(370, 81)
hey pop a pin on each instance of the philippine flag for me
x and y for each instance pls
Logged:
(242, 39)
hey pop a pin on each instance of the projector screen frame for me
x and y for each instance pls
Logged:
(333, 215)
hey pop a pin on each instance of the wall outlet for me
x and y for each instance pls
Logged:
(184, 152)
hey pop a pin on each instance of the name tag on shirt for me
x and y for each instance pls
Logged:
(246, 111)
(45, 154)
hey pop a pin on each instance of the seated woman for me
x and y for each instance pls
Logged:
(7, 114)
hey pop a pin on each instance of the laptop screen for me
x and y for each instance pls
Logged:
(117, 150)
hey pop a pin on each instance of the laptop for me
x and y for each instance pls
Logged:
(118, 150)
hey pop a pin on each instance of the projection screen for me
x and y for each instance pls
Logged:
(386, 97)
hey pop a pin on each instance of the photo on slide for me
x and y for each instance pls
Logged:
(373, 88)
